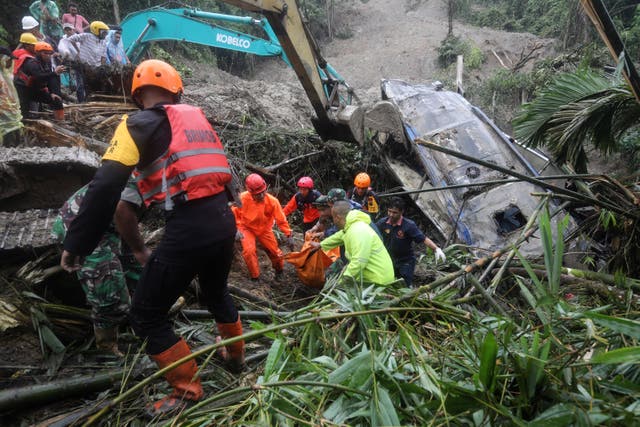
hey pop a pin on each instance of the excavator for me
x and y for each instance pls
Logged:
(286, 36)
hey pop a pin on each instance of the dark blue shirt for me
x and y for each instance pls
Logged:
(398, 238)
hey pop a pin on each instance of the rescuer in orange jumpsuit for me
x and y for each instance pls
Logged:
(303, 201)
(255, 220)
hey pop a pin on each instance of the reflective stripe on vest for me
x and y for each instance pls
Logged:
(194, 165)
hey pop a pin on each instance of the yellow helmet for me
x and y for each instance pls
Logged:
(96, 26)
(28, 38)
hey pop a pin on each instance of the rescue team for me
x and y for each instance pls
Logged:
(168, 154)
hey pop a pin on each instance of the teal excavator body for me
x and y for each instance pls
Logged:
(336, 117)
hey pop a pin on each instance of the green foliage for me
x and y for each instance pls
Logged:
(158, 52)
(578, 108)
(452, 46)
(4, 37)
(546, 18)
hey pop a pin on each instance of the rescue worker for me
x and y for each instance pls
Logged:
(255, 218)
(26, 49)
(368, 260)
(398, 234)
(303, 201)
(36, 82)
(103, 273)
(364, 195)
(200, 227)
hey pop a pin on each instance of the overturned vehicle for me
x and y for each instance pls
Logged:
(465, 200)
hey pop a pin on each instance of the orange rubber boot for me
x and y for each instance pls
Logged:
(58, 115)
(185, 387)
(234, 354)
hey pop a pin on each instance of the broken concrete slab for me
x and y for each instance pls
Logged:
(43, 177)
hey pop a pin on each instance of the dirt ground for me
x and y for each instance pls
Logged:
(399, 39)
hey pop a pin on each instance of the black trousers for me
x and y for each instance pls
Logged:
(167, 275)
(29, 96)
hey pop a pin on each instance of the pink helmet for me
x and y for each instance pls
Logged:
(305, 182)
(255, 184)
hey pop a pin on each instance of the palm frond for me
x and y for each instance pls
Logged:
(576, 109)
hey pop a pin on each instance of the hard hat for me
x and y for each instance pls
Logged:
(255, 184)
(67, 25)
(29, 22)
(28, 38)
(96, 26)
(154, 72)
(43, 47)
(305, 182)
(336, 194)
(362, 180)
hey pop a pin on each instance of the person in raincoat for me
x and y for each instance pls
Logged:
(115, 49)
(369, 261)
(48, 14)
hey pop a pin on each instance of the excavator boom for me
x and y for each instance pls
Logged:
(288, 38)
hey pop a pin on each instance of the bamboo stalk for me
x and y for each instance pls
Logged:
(249, 315)
(559, 190)
(55, 390)
(487, 183)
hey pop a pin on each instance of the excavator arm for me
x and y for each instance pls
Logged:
(288, 38)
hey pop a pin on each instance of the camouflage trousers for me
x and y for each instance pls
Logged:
(104, 283)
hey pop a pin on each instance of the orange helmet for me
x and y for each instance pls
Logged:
(362, 180)
(305, 182)
(255, 184)
(43, 47)
(154, 72)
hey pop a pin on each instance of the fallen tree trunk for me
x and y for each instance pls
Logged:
(32, 395)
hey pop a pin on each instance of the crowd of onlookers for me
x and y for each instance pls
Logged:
(68, 46)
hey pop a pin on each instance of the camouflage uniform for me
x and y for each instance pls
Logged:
(102, 274)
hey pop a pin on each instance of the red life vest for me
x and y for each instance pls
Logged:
(194, 165)
(22, 55)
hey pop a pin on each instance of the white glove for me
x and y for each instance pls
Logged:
(440, 256)
(239, 235)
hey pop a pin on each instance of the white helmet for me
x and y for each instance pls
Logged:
(29, 23)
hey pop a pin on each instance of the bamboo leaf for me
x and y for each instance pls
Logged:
(274, 357)
(620, 355)
(488, 355)
(383, 411)
(346, 371)
(621, 325)
(558, 415)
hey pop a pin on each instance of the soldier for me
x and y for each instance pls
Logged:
(102, 274)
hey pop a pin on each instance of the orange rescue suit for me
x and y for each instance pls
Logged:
(255, 221)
